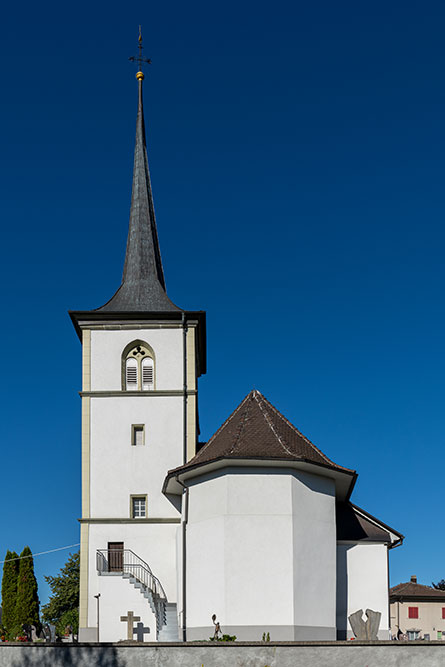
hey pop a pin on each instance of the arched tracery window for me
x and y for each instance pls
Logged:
(138, 367)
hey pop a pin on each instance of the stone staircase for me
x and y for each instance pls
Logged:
(170, 631)
(138, 574)
(165, 612)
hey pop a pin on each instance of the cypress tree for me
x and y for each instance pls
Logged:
(9, 591)
(27, 607)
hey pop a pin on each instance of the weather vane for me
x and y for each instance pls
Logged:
(139, 59)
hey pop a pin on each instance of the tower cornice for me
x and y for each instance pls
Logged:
(92, 318)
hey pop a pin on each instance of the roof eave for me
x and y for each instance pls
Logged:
(396, 537)
(416, 598)
(344, 479)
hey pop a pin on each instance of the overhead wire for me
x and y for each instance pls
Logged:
(41, 553)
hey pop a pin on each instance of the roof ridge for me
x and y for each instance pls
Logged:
(229, 419)
(415, 583)
(271, 426)
(294, 428)
(241, 426)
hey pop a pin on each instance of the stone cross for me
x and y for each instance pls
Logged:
(130, 618)
(139, 631)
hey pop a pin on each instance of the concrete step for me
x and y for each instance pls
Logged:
(168, 620)
(169, 631)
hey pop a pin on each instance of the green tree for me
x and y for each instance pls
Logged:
(27, 606)
(9, 591)
(63, 606)
(440, 585)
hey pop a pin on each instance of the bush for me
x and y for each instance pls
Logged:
(69, 617)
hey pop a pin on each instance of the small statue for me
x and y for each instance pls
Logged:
(217, 627)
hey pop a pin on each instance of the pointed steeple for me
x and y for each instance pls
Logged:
(143, 283)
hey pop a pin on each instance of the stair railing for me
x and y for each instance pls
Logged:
(125, 561)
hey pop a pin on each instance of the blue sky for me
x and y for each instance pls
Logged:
(297, 153)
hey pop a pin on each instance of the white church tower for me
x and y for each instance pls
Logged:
(142, 356)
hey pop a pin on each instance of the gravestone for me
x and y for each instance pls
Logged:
(358, 625)
(130, 619)
(374, 623)
(49, 632)
(365, 630)
(140, 631)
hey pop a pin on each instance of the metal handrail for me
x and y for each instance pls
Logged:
(127, 562)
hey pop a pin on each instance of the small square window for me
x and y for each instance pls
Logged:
(413, 612)
(137, 434)
(138, 507)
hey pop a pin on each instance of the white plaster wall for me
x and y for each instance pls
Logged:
(106, 357)
(239, 550)
(119, 469)
(154, 543)
(362, 583)
(117, 597)
(206, 585)
(314, 550)
(248, 557)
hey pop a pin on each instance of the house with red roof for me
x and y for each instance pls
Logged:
(417, 611)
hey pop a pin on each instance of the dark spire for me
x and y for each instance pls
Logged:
(143, 284)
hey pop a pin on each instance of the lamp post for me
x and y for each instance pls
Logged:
(97, 598)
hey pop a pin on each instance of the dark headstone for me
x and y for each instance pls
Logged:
(140, 631)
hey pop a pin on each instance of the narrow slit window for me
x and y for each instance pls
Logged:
(138, 434)
(131, 374)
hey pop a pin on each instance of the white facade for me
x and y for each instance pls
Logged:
(261, 554)
(115, 469)
(260, 546)
(362, 583)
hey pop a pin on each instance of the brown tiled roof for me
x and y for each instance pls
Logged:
(257, 430)
(412, 590)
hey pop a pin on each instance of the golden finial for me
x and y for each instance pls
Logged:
(139, 59)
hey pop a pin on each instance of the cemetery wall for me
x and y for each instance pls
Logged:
(302, 654)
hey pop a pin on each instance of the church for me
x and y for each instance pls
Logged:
(256, 526)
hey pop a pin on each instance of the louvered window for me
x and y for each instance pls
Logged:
(131, 374)
(147, 374)
(138, 368)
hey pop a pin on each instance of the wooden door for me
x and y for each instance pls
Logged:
(115, 556)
